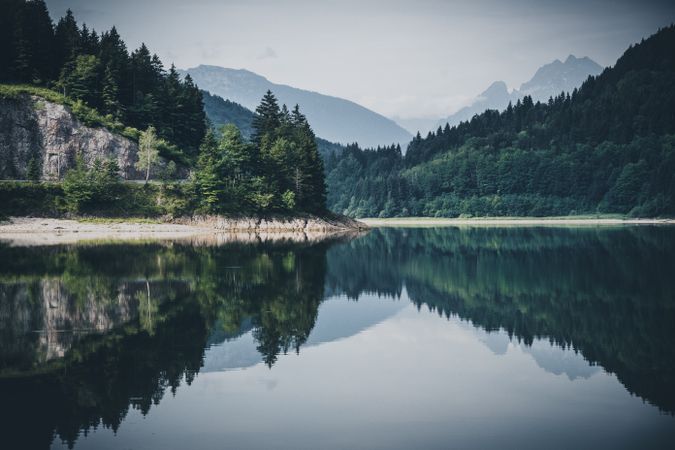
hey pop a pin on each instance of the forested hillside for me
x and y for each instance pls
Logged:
(133, 89)
(549, 81)
(606, 147)
(276, 170)
(222, 112)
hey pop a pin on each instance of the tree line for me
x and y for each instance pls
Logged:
(280, 169)
(130, 88)
(275, 169)
(607, 147)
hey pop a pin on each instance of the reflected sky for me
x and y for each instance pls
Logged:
(402, 338)
(408, 379)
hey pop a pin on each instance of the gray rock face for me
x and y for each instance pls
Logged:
(42, 320)
(306, 224)
(33, 128)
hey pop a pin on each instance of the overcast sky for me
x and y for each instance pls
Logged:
(416, 58)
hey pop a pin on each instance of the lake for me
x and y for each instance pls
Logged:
(456, 337)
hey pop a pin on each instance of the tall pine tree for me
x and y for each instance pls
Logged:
(266, 120)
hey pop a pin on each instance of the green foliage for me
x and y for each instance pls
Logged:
(148, 151)
(121, 200)
(223, 112)
(79, 109)
(79, 79)
(98, 70)
(280, 171)
(609, 147)
(87, 189)
(207, 177)
(232, 176)
(33, 172)
(288, 199)
(20, 199)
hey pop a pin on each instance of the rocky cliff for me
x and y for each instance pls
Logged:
(33, 128)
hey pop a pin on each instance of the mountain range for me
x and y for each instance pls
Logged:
(548, 81)
(332, 118)
(342, 121)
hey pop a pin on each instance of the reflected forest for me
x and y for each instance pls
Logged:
(91, 331)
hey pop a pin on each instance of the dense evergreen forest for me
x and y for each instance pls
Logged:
(607, 147)
(133, 89)
(276, 168)
(280, 169)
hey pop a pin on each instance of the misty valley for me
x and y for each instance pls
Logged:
(409, 336)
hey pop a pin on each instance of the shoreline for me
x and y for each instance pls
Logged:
(34, 231)
(511, 221)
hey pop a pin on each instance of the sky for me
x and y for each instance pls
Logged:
(404, 59)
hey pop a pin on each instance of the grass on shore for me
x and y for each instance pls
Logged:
(87, 115)
(496, 218)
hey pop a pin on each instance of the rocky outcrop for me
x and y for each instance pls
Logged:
(33, 128)
(274, 224)
(41, 320)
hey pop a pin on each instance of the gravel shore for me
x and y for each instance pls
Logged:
(46, 231)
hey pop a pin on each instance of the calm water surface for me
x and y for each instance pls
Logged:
(399, 339)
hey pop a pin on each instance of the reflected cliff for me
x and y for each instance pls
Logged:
(89, 332)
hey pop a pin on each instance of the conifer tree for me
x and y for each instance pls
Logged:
(110, 95)
(8, 21)
(194, 123)
(88, 41)
(33, 169)
(67, 38)
(267, 119)
(79, 79)
(207, 177)
(33, 43)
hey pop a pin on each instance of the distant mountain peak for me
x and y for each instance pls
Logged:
(553, 78)
(496, 87)
(548, 81)
(333, 118)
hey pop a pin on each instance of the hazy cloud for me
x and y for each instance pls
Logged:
(268, 53)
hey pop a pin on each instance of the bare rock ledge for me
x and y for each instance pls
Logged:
(272, 224)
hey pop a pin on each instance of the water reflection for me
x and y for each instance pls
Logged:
(607, 293)
(92, 332)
